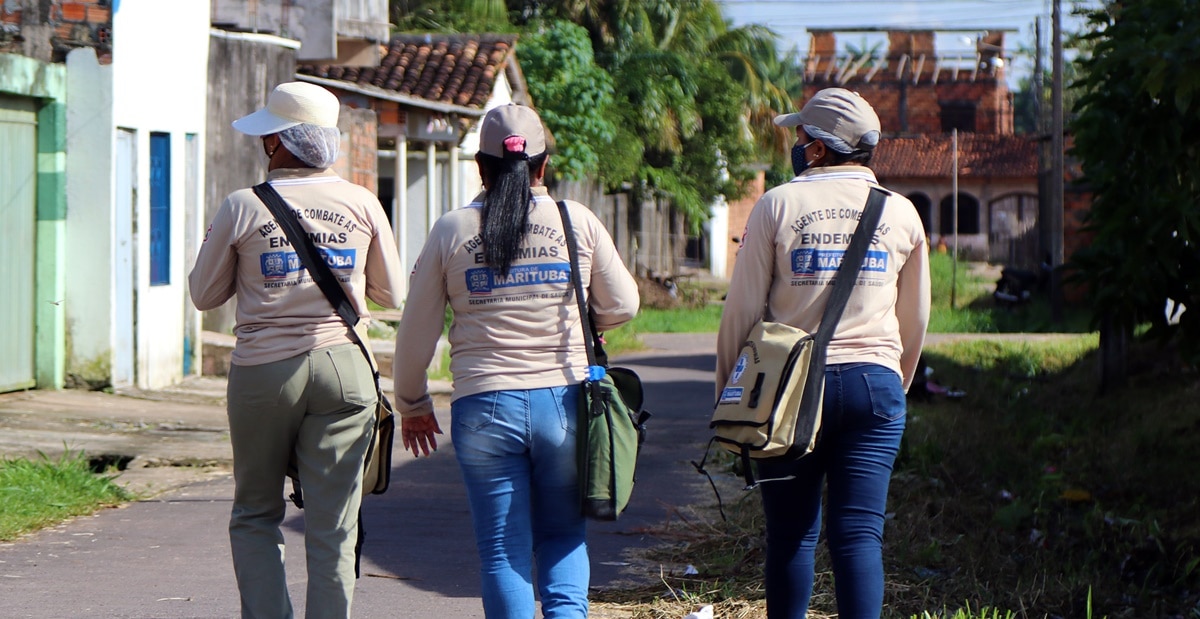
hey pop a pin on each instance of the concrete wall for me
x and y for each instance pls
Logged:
(160, 85)
(318, 24)
(242, 71)
(974, 246)
(91, 228)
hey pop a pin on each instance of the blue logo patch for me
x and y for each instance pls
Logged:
(280, 264)
(739, 368)
(731, 395)
(808, 261)
(484, 280)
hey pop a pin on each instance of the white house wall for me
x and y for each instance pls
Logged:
(160, 66)
(469, 181)
(90, 302)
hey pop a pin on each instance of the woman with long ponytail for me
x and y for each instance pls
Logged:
(506, 202)
(517, 356)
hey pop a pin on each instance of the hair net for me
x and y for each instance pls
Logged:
(315, 145)
(869, 140)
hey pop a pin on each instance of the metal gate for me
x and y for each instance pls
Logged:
(18, 188)
(1012, 230)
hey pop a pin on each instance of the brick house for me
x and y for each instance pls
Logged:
(921, 96)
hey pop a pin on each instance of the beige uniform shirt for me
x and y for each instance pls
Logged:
(792, 246)
(281, 313)
(519, 331)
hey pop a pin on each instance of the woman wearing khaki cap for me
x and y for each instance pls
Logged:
(518, 358)
(300, 388)
(792, 245)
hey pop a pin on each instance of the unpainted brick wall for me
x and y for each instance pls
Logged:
(739, 214)
(910, 103)
(357, 161)
(48, 29)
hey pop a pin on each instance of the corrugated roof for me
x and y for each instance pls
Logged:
(451, 69)
(979, 155)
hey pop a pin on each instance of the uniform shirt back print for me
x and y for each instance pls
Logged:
(328, 226)
(822, 235)
(542, 269)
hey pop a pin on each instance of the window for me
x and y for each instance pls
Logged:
(160, 209)
(924, 209)
(968, 215)
(958, 115)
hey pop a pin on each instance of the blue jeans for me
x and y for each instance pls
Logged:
(860, 437)
(516, 449)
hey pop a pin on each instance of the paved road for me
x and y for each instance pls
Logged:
(168, 556)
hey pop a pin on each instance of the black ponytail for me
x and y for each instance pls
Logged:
(505, 207)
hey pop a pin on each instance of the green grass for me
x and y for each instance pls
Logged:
(974, 310)
(41, 492)
(1031, 495)
(702, 319)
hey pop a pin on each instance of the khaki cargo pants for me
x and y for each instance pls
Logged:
(318, 407)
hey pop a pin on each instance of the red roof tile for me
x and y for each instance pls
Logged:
(455, 69)
(979, 155)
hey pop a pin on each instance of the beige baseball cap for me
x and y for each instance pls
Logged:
(512, 128)
(291, 104)
(844, 114)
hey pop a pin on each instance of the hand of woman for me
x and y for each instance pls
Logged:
(418, 433)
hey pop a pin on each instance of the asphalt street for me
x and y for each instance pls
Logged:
(168, 555)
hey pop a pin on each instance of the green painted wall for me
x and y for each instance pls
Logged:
(46, 82)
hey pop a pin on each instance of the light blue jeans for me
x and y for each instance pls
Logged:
(864, 416)
(516, 449)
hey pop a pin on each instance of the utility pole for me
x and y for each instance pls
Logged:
(1056, 172)
(954, 218)
(1038, 80)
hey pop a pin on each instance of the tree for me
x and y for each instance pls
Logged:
(696, 95)
(450, 15)
(574, 96)
(1137, 134)
(692, 98)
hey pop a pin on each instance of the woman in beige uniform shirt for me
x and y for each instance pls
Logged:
(299, 388)
(792, 246)
(517, 356)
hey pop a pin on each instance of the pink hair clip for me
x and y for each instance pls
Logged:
(514, 144)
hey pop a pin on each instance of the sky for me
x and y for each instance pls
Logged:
(790, 18)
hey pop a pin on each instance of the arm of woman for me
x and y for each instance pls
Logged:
(385, 278)
(419, 330)
(912, 308)
(214, 276)
(748, 288)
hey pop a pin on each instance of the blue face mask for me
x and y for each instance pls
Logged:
(799, 161)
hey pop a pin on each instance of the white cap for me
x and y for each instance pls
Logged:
(291, 104)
